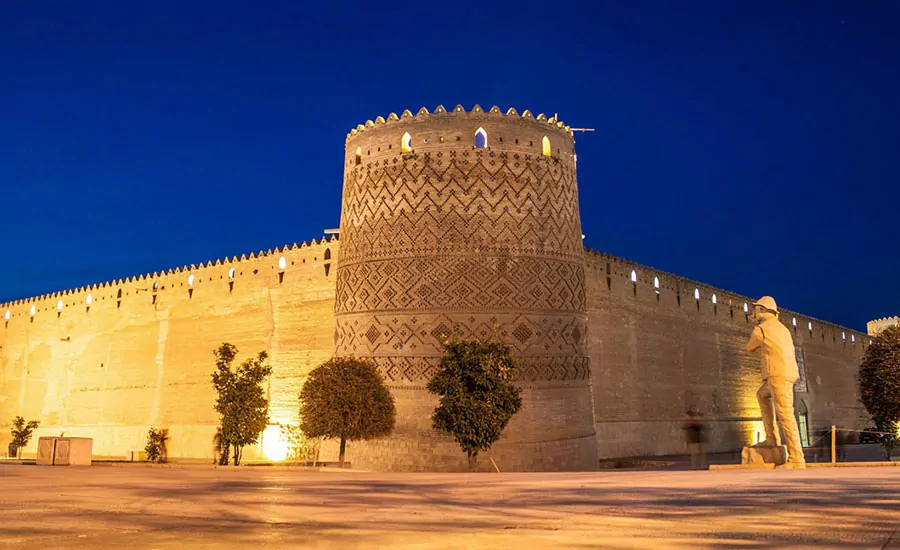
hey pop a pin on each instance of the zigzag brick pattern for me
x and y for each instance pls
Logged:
(480, 241)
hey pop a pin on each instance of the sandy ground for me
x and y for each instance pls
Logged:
(140, 507)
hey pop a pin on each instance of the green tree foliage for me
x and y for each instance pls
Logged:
(156, 445)
(346, 398)
(22, 431)
(879, 384)
(477, 394)
(241, 399)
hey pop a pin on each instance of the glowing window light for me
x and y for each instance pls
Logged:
(282, 263)
(843, 335)
(274, 446)
(794, 321)
(7, 315)
(545, 146)
(746, 308)
(59, 305)
(191, 280)
(231, 273)
(633, 276)
(809, 326)
(32, 310)
(89, 300)
(405, 146)
(714, 299)
(480, 138)
(696, 293)
(155, 286)
(853, 338)
(656, 283)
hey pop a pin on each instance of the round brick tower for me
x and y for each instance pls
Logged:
(467, 221)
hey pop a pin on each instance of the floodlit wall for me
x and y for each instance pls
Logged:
(141, 354)
(657, 350)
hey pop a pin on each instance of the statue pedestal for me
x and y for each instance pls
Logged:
(764, 455)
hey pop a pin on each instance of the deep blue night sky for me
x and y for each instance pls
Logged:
(752, 150)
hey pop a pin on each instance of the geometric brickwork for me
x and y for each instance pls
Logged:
(449, 237)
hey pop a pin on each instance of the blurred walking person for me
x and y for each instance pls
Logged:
(695, 436)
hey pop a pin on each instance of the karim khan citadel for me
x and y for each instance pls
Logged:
(449, 219)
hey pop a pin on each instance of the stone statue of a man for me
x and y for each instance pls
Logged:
(779, 372)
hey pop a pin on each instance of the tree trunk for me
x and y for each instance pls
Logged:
(223, 458)
(237, 455)
(473, 460)
(343, 448)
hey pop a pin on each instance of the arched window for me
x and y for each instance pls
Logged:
(7, 315)
(191, 279)
(656, 283)
(327, 253)
(809, 326)
(843, 335)
(714, 301)
(358, 156)
(545, 146)
(480, 138)
(746, 308)
(59, 305)
(282, 263)
(794, 321)
(89, 300)
(853, 338)
(696, 293)
(231, 273)
(405, 145)
(155, 286)
(633, 276)
(33, 310)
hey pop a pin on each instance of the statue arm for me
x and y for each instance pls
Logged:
(756, 339)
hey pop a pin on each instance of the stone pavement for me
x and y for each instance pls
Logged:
(163, 508)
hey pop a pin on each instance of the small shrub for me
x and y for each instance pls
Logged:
(22, 431)
(156, 445)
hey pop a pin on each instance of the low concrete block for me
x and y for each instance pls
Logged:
(764, 455)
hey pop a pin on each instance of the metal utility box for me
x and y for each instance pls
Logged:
(65, 451)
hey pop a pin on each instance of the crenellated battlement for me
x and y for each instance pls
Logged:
(642, 281)
(440, 111)
(875, 326)
(234, 260)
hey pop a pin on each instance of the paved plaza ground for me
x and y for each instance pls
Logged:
(258, 507)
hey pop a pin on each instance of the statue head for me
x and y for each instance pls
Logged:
(765, 308)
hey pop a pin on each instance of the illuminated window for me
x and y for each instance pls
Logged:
(633, 276)
(656, 284)
(282, 263)
(405, 146)
(32, 311)
(191, 279)
(155, 286)
(89, 300)
(714, 299)
(231, 273)
(809, 326)
(794, 322)
(746, 308)
(59, 305)
(480, 138)
(696, 293)
(7, 315)
(545, 146)
(358, 155)
(843, 335)
(853, 338)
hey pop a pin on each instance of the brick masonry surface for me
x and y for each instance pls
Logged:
(437, 235)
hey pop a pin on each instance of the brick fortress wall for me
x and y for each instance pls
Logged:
(138, 358)
(438, 233)
(655, 351)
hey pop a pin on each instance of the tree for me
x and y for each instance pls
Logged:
(477, 395)
(21, 433)
(156, 445)
(241, 399)
(346, 398)
(879, 385)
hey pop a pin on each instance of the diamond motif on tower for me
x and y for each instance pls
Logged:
(372, 334)
(522, 333)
